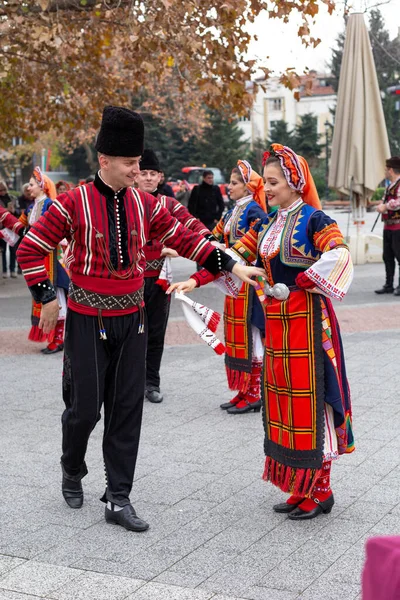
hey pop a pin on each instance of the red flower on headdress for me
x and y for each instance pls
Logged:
(266, 156)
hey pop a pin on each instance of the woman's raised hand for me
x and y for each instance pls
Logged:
(246, 273)
(182, 286)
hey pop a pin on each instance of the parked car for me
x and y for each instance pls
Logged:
(194, 176)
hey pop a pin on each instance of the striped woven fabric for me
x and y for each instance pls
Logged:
(294, 392)
(238, 338)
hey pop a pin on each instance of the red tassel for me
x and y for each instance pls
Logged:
(220, 349)
(163, 283)
(36, 334)
(214, 322)
(237, 380)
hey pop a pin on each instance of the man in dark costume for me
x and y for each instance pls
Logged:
(107, 224)
(157, 302)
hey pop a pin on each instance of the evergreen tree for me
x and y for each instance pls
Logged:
(280, 134)
(306, 139)
(221, 145)
(387, 57)
(336, 60)
(386, 54)
(81, 162)
(255, 155)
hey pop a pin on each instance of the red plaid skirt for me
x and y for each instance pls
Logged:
(294, 392)
(238, 338)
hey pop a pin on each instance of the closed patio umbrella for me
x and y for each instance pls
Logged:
(360, 142)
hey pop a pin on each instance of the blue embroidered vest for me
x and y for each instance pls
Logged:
(296, 249)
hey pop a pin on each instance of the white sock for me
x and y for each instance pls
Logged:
(114, 507)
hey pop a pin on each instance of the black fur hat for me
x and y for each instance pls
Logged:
(121, 132)
(149, 161)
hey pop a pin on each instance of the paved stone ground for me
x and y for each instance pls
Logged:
(213, 534)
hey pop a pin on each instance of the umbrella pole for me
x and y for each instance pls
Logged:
(376, 220)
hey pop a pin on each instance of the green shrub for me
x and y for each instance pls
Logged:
(378, 194)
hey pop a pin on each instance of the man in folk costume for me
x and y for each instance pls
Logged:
(158, 271)
(43, 191)
(243, 316)
(390, 209)
(107, 224)
(306, 400)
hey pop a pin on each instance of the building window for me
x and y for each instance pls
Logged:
(275, 103)
(245, 118)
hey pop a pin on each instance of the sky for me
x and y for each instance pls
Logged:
(280, 43)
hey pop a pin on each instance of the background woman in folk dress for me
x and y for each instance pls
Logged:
(306, 400)
(243, 343)
(43, 192)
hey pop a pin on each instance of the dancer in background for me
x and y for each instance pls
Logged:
(243, 316)
(158, 271)
(43, 192)
(306, 400)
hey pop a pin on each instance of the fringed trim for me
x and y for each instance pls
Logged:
(220, 348)
(238, 380)
(163, 283)
(213, 321)
(36, 334)
(299, 482)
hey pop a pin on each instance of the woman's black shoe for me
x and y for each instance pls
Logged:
(256, 406)
(58, 348)
(284, 507)
(321, 507)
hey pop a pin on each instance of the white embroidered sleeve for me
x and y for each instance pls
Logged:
(332, 273)
(229, 284)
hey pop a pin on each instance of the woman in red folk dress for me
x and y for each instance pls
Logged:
(43, 192)
(305, 395)
(243, 343)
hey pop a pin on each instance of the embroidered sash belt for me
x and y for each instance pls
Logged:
(155, 265)
(105, 301)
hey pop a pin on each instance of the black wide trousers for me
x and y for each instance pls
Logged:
(157, 308)
(391, 253)
(109, 374)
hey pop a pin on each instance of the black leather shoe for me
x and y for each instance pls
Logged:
(227, 405)
(232, 402)
(284, 507)
(127, 518)
(72, 492)
(154, 396)
(234, 410)
(321, 507)
(397, 291)
(386, 289)
(59, 348)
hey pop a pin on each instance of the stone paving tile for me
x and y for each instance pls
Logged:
(322, 588)
(31, 543)
(263, 593)
(37, 578)
(245, 570)
(295, 574)
(97, 586)
(159, 591)
(185, 580)
(8, 595)
(8, 563)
